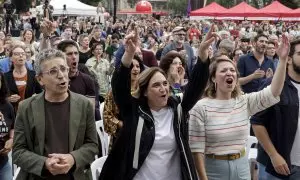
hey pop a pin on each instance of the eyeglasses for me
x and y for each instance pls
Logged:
(180, 34)
(54, 71)
(28, 52)
(71, 53)
(19, 53)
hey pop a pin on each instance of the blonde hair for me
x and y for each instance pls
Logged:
(210, 90)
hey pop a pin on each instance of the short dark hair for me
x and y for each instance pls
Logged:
(115, 36)
(4, 93)
(167, 60)
(66, 43)
(293, 47)
(255, 39)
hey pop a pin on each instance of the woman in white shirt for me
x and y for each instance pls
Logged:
(218, 128)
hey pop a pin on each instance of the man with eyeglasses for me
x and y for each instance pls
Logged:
(180, 45)
(55, 135)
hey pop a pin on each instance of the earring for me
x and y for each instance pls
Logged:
(215, 86)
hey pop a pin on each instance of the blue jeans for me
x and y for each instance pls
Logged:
(6, 172)
(227, 169)
(263, 175)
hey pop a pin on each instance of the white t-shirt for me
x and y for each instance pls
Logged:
(295, 153)
(163, 160)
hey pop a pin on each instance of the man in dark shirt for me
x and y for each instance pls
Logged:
(278, 127)
(55, 136)
(254, 66)
(79, 82)
(9, 10)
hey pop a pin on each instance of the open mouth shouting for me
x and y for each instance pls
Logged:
(63, 84)
(229, 82)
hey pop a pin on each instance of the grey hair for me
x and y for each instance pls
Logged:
(46, 55)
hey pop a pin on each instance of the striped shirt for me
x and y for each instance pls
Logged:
(221, 126)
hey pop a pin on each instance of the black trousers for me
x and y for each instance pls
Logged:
(9, 17)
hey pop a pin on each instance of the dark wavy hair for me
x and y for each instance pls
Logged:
(4, 93)
(167, 60)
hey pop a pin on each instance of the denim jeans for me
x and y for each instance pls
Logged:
(263, 175)
(6, 172)
(227, 169)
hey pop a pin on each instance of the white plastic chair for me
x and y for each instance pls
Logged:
(104, 138)
(16, 173)
(96, 167)
(101, 108)
(251, 152)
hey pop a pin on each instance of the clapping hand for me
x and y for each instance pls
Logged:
(210, 37)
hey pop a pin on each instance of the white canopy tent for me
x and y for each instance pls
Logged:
(74, 7)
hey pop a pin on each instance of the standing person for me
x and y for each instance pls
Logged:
(153, 142)
(100, 13)
(28, 39)
(180, 45)
(253, 66)
(111, 115)
(271, 53)
(21, 81)
(100, 66)
(7, 121)
(9, 9)
(79, 82)
(84, 50)
(219, 122)
(278, 127)
(55, 134)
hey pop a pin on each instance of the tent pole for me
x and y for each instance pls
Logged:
(115, 12)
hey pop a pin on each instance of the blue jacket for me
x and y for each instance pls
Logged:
(5, 65)
(281, 122)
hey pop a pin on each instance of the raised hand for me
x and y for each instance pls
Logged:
(283, 49)
(47, 27)
(131, 41)
(210, 37)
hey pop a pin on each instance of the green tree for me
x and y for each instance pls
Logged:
(177, 6)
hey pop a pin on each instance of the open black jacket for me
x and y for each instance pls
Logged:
(125, 159)
(281, 122)
(32, 85)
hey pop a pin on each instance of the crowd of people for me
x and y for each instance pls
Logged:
(178, 96)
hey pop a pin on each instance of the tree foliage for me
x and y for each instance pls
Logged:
(178, 7)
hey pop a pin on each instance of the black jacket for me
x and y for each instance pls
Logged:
(121, 163)
(32, 86)
(281, 122)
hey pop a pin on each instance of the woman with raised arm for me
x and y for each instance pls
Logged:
(153, 143)
(218, 126)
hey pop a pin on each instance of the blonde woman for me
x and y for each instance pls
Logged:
(218, 126)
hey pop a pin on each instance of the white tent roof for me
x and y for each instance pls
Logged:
(74, 7)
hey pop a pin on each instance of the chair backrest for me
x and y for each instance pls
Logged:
(104, 138)
(251, 140)
(101, 109)
(96, 167)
